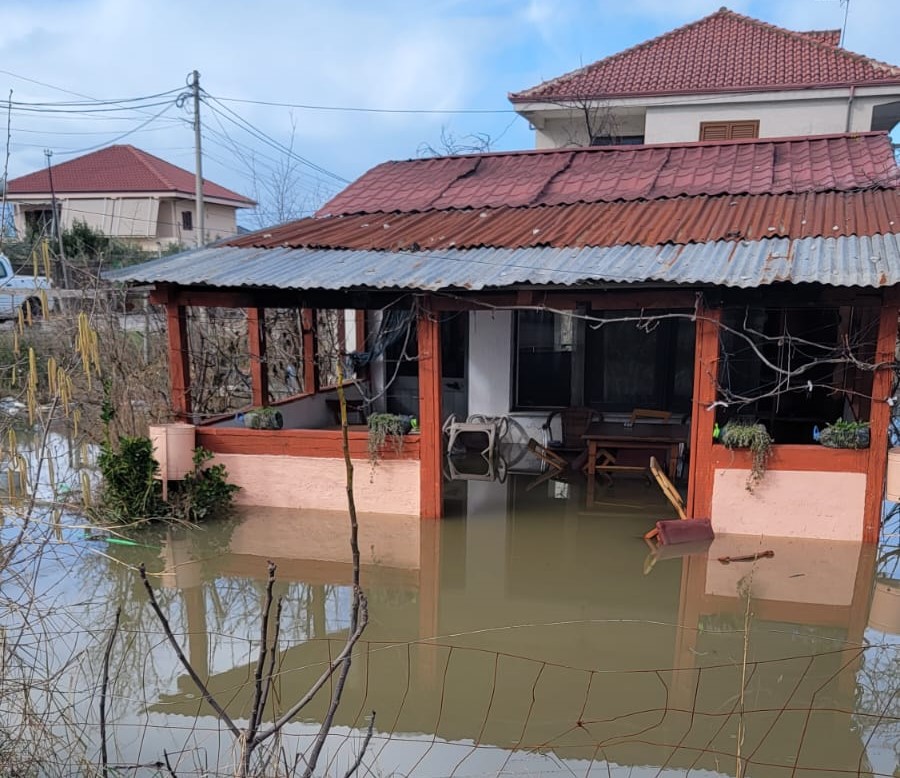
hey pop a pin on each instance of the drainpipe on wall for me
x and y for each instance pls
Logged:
(850, 106)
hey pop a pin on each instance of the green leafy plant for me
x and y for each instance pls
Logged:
(130, 489)
(752, 435)
(381, 427)
(845, 434)
(205, 491)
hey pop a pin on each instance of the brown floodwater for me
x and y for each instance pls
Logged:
(523, 635)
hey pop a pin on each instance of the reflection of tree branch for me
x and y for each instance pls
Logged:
(207, 695)
(104, 756)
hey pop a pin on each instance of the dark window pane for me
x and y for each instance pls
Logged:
(543, 359)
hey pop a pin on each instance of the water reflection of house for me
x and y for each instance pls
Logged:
(650, 665)
(685, 276)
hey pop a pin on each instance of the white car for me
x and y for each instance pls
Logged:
(20, 292)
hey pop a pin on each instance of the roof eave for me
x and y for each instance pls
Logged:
(519, 98)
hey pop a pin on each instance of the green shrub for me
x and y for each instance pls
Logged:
(131, 490)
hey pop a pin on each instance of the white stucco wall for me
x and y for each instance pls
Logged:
(676, 123)
(676, 119)
(491, 374)
(148, 220)
(490, 362)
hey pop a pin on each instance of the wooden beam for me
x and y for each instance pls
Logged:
(431, 445)
(259, 368)
(793, 456)
(300, 443)
(706, 367)
(179, 360)
(880, 418)
(310, 351)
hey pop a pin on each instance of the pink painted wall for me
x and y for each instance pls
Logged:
(315, 483)
(790, 503)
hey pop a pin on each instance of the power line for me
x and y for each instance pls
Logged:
(360, 109)
(124, 135)
(241, 122)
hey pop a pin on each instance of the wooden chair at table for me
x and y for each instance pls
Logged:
(556, 464)
(574, 422)
(627, 457)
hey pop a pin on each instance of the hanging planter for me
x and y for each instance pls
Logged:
(752, 435)
(845, 434)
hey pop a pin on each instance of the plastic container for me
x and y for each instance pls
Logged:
(893, 475)
(173, 448)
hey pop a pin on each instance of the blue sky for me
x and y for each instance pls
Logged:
(438, 55)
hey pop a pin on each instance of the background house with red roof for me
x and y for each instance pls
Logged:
(726, 76)
(125, 193)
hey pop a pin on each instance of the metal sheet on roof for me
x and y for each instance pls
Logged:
(610, 173)
(679, 220)
(871, 261)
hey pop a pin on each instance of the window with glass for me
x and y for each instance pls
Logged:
(787, 367)
(626, 364)
(544, 347)
(640, 363)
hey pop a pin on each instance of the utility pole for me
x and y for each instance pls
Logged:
(55, 226)
(198, 164)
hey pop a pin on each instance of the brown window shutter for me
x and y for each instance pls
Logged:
(734, 130)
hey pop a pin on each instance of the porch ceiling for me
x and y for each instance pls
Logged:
(872, 261)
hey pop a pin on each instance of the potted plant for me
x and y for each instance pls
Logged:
(752, 435)
(383, 426)
(264, 418)
(845, 434)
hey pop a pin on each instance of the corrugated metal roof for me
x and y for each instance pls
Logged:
(608, 174)
(847, 261)
(680, 220)
(722, 52)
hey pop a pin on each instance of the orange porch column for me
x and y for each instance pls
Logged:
(179, 360)
(310, 351)
(259, 370)
(879, 418)
(706, 367)
(431, 486)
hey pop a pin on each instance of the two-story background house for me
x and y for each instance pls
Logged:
(723, 77)
(127, 194)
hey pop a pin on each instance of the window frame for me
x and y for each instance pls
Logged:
(729, 126)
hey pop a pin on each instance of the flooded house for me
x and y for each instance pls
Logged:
(702, 281)
(688, 247)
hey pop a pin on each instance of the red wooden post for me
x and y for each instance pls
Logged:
(179, 359)
(431, 439)
(310, 355)
(259, 369)
(706, 366)
(879, 418)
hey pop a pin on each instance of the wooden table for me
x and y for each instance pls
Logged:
(641, 435)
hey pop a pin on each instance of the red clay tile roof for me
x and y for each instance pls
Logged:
(608, 174)
(121, 168)
(680, 220)
(723, 52)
